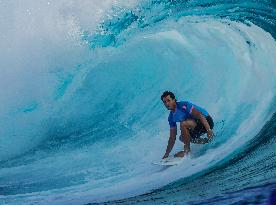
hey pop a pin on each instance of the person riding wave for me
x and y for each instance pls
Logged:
(194, 122)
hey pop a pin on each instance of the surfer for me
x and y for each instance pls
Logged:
(194, 122)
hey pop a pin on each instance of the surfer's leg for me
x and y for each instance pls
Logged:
(185, 134)
(191, 136)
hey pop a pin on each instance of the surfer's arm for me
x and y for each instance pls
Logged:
(203, 120)
(170, 142)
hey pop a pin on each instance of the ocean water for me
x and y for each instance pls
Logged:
(80, 111)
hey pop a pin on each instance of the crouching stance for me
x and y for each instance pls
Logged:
(194, 122)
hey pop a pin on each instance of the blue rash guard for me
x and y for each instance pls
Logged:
(183, 112)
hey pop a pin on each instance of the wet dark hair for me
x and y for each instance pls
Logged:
(166, 93)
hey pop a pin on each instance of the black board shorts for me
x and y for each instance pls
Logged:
(200, 129)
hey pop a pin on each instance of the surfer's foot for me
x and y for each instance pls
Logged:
(181, 153)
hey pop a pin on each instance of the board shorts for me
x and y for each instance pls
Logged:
(200, 129)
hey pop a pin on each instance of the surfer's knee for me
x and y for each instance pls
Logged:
(187, 124)
(184, 125)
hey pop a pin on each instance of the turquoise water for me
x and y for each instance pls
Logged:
(80, 107)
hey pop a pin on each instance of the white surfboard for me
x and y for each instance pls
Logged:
(170, 161)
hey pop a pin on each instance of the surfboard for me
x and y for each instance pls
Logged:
(169, 161)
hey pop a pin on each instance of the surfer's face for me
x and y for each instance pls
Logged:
(169, 102)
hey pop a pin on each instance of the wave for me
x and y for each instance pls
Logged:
(81, 113)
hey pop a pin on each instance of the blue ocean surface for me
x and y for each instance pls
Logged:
(80, 111)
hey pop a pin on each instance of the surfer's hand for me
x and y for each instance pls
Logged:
(210, 134)
(165, 155)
